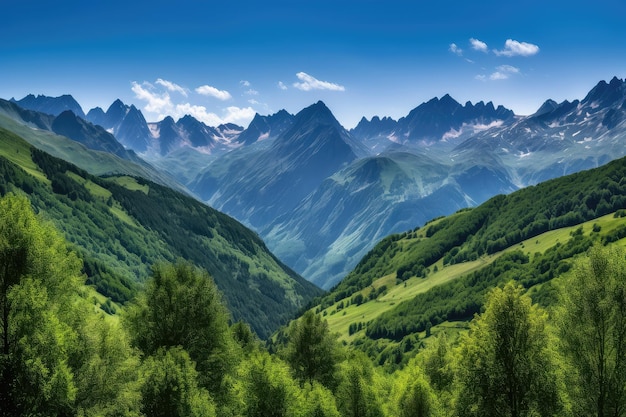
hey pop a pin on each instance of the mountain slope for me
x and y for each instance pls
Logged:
(333, 227)
(559, 139)
(430, 275)
(36, 128)
(120, 228)
(257, 187)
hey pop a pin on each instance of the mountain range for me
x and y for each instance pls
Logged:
(321, 196)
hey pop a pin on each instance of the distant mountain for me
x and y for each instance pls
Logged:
(266, 127)
(155, 140)
(321, 196)
(120, 226)
(68, 124)
(94, 137)
(558, 139)
(91, 148)
(50, 105)
(257, 187)
(190, 132)
(126, 123)
(434, 121)
(334, 227)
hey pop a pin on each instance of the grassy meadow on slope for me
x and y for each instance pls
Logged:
(122, 225)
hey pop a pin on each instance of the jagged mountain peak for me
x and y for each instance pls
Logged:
(229, 126)
(117, 110)
(548, 106)
(188, 119)
(168, 120)
(51, 105)
(317, 112)
(265, 127)
(605, 94)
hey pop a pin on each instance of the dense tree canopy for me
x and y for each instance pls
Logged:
(506, 364)
(592, 326)
(312, 351)
(181, 306)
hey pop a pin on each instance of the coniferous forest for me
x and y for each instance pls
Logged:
(175, 351)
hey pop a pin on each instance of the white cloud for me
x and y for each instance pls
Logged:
(508, 69)
(253, 101)
(238, 115)
(478, 45)
(309, 83)
(172, 86)
(252, 92)
(502, 72)
(282, 85)
(207, 90)
(157, 103)
(244, 83)
(498, 76)
(455, 49)
(515, 48)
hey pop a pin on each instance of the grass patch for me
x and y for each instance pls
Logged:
(131, 184)
(339, 320)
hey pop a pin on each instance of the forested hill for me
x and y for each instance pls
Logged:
(436, 278)
(123, 225)
(499, 223)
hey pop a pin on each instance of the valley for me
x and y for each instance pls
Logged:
(321, 196)
(426, 248)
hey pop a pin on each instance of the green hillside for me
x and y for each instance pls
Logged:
(94, 162)
(437, 276)
(122, 225)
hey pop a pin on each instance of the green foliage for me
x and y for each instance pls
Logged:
(312, 351)
(462, 298)
(170, 388)
(107, 370)
(437, 362)
(591, 319)
(58, 356)
(181, 306)
(413, 396)
(506, 365)
(266, 388)
(38, 278)
(120, 229)
(320, 402)
(358, 392)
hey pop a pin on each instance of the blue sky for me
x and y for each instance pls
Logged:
(224, 61)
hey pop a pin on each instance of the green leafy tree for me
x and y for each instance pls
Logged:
(245, 337)
(266, 388)
(592, 328)
(506, 366)
(170, 386)
(107, 377)
(181, 306)
(320, 402)
(416, 398)
(39, 280)
(437, 362)
(357, 394)
(312, 351)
